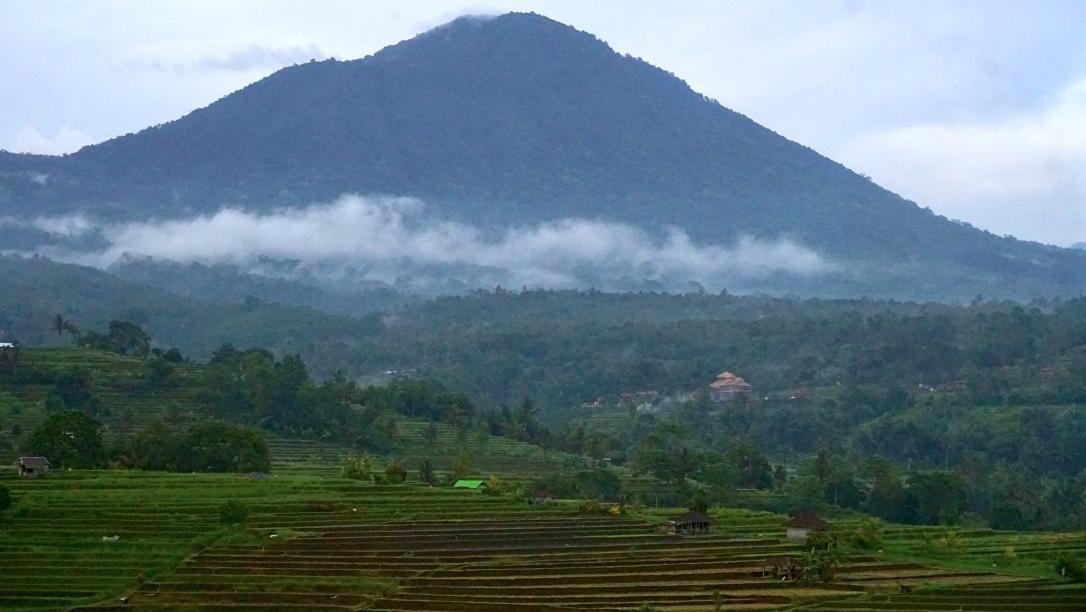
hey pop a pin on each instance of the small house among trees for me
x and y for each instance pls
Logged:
(691, 523)
(804, 524)
(32, 467)
(728, 387)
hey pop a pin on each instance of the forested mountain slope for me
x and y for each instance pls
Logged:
(519, 120)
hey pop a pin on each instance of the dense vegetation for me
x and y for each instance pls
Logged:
(988, 393)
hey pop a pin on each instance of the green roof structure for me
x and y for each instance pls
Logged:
(469, 484)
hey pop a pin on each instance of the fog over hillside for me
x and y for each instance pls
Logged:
(381, 239)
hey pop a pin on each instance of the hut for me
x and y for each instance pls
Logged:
(539, 496)
(728, 387)
(782, 568)
(469, 484)
(691, 523)
(804, 524)
(32, 467)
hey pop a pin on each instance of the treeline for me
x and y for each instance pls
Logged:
(1038, 483)
(278, 395)
(562, 348)
(71, 439)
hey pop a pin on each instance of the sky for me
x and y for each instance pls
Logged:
(976, 110)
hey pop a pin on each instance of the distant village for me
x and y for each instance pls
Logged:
(726, 388)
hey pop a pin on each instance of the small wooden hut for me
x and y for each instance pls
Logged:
(32, 467)
(691, 523)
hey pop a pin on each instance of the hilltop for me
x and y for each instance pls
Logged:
(518, 120)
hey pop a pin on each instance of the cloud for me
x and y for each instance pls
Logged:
(251, 58)
(68, 226)
(31, 140)
(1019, 175)
(388, 238)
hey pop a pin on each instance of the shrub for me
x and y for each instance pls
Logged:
(951, 541)
(1071, 568)
(233, 512)
(821, 540)
(356, 467)
(591, 507)
(495, 486)
(698, 502)
(395, 473)
(868, 534)
(595, 507)
(5, 498)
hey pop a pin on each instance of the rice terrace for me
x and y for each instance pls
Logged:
(310, 538)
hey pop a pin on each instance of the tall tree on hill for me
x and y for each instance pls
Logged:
(69, 440)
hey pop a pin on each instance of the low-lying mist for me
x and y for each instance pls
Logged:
(393, 240)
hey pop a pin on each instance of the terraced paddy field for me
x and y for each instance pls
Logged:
(119, 383)
(87, 539)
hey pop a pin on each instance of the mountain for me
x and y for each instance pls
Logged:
(518, 120)
(1079, 245)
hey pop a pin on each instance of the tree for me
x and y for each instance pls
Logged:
(939, 497)
(426, 472)
(5, 498)
(159, 372)
(1071, 568)
(72, 390)
(717, 473)
(158, 446)
(223, 447)
(59, 324)
(430, 434)
(123, 337)
(233, 512)
(754, 470)
(68, 439)
(463, 466)
(601, 484)
(664, 454)
(129, 339)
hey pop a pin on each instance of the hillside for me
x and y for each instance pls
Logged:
(128, 402)
(37, 289)
(519, 120)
